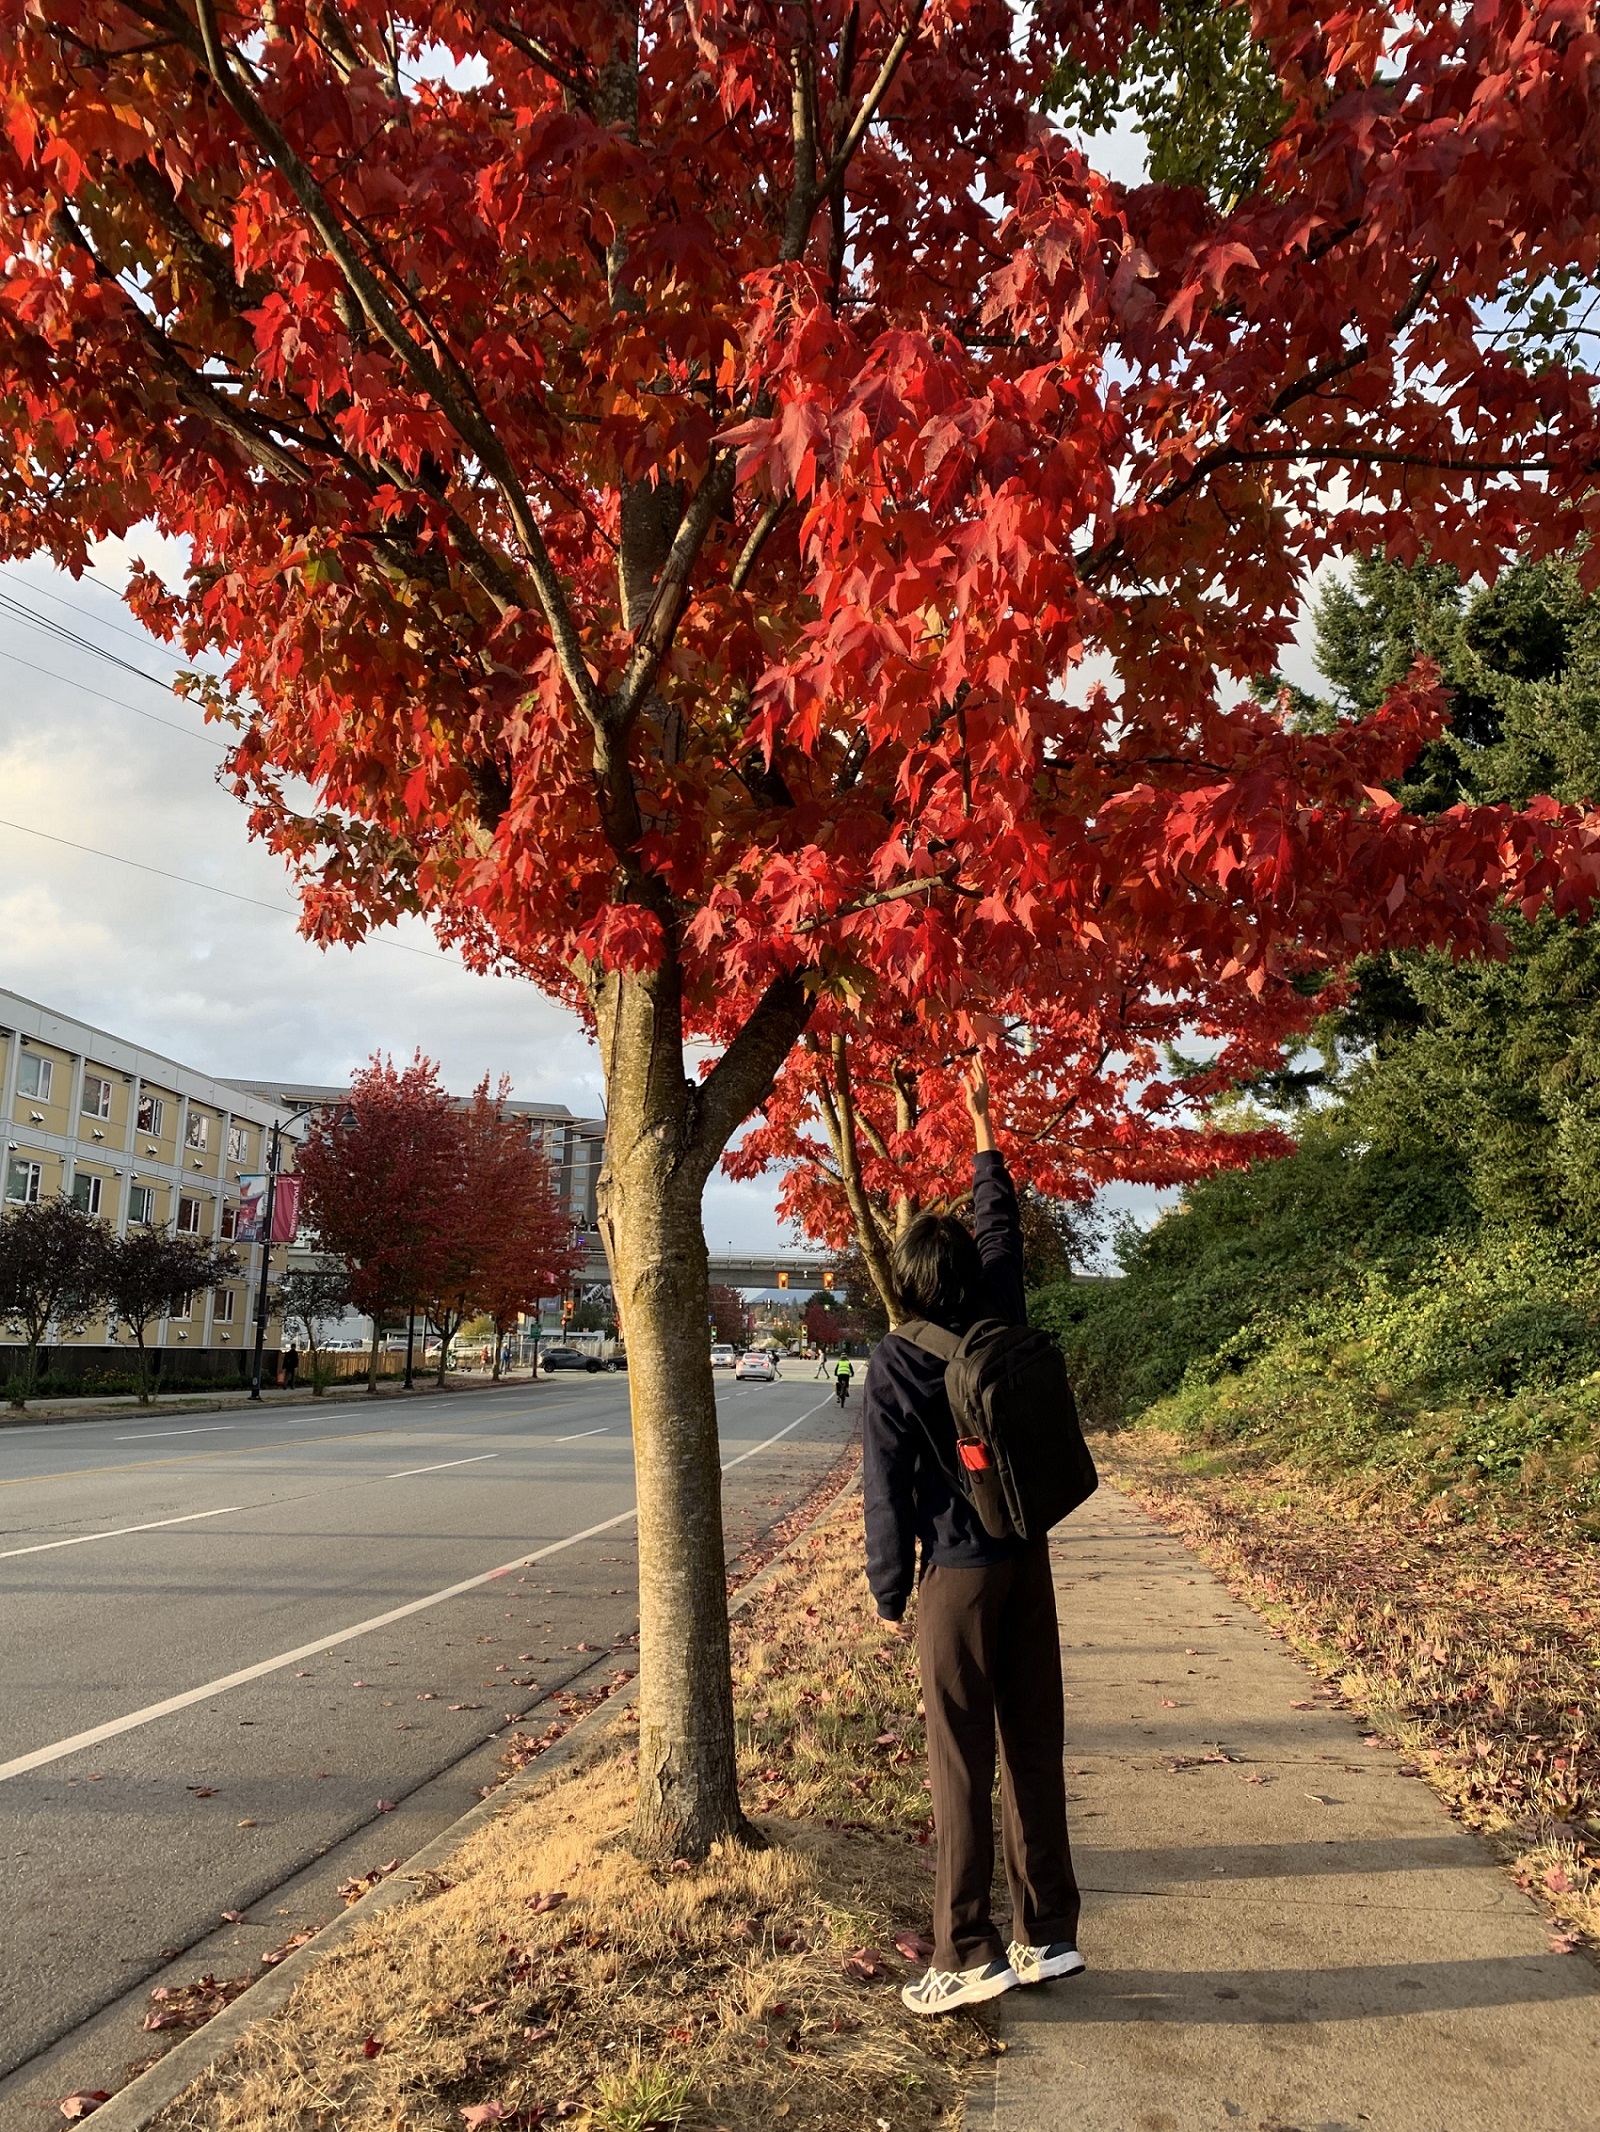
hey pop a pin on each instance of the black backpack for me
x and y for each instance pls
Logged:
(1023, 1463)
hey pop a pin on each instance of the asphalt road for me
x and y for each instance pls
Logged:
(224, 1640)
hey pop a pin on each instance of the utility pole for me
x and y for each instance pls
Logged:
(266, 1251)
(266, 1259)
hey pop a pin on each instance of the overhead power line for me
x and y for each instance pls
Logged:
(19, 611)
(100, 696)
(279, 910)
(141, 637)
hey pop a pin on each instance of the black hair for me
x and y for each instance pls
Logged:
(939, 1273)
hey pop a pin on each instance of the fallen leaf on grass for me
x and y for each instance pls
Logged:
(538, 2035)
(538, 1904)
(80, 2104)
(914, 1946)
(1566, 1941)
(371, 2047)
(865, 1966)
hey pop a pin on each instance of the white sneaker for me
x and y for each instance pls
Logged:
(1037, 1965)
(941, 1991)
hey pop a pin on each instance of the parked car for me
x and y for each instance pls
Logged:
(757, 1366)
(723, 1358)
(571, 1358)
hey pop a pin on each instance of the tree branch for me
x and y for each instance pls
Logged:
(455, 400)
(771, 511)
(743, 1076)
(839, 1114)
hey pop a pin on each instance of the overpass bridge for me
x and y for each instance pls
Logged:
(801, 1272)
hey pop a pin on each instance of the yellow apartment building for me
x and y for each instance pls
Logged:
(133, 1137)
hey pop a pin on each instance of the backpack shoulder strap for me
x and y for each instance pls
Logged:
(932, 1339)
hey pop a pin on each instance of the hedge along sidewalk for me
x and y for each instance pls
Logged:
(552, 1973)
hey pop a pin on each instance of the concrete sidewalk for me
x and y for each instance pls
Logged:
(1298, 1940)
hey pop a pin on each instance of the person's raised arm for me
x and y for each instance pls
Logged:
(978, 1104)
(996, 1224)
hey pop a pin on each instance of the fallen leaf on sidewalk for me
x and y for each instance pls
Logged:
(234, 1917)
(385, 1806)
(428, 1697)
(1167, 1703)
(201, 1791)
(275, 1955)
(1318, 1798)
(1256, 1778)
(1302, 1706)
(466, 1706)
(79, 2105)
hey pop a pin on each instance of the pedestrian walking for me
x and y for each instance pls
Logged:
(988, 1647)
(291, 1367)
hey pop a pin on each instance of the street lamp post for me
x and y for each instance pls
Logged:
(266, 1249)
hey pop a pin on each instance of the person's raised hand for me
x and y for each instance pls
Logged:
(977, 1090)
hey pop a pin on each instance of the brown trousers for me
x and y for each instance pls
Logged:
(990, 1656)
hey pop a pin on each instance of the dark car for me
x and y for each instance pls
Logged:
(571, 1358)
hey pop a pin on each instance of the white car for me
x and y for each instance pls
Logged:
(723, 1358)
(757, 1366)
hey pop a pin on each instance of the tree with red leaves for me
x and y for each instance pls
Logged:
(657, 474)
(870, 1126)
(510, 1236)
(380, 1181)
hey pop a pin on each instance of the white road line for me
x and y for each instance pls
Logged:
(41, 1756)
(44, 1546)
(211, 1428)
(478, 1461)
(582, 1433)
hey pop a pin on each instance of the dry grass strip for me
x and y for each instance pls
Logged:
(1469, 1635)
(756, 1990)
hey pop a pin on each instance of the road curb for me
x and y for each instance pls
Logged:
(137, 2105)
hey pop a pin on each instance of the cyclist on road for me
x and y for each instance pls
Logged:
(842, 1374)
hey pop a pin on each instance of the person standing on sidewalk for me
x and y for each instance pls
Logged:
(988, 1646)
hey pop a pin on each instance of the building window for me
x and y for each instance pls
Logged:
(230, 1222)
(184, 1311)
(34, 1076)
(142, 1203)
(96, 1097)
(188, 1217)
(23, 1181)
(238, 1144)
(223, 1314)
(152, 1112)
(86, 1194)
(199, 1132)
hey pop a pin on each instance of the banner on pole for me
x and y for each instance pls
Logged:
(286, 1210)
(251, 1223)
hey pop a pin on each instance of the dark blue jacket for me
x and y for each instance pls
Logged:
(907, 1495)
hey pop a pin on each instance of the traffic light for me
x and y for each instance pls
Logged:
(783, 1279)
(566, 1309)
(827, 1277)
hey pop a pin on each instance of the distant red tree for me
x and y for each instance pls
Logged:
(513, 1240)
(730, 1321)
(381, 1187)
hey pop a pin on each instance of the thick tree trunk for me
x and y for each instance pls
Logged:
(372, 1357)
(663, 1137)
(650, 1192)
